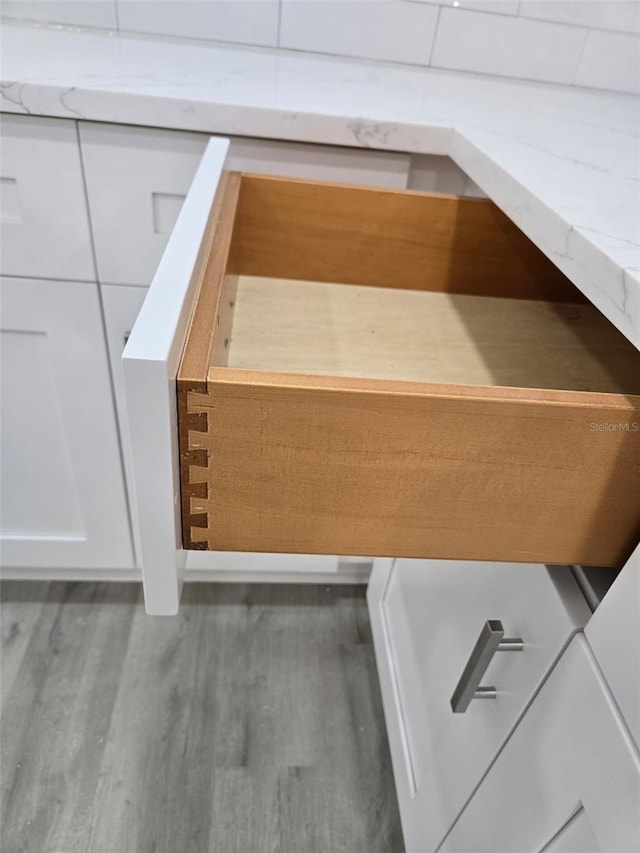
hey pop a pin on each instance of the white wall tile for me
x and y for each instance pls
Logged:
(512, 47)
(242, 21)
(611, 61)
(81, 13)
(622, 15)
(369, 29)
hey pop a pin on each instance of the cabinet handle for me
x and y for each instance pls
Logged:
(489, 642)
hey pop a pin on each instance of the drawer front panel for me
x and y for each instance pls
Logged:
(568, 778)
(44, 219)
(426, 618)
(613, 633)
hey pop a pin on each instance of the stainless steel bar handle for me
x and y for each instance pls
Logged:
(490, 641)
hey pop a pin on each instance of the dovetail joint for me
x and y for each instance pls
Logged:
(192, 457)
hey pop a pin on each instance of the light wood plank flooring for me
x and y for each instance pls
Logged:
(250, 722)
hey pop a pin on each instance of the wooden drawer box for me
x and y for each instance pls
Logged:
(386, 372)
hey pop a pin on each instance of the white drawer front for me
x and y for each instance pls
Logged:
(614, 635)
(137, 179)
(43, 212)
(567, 781)
(426, 618)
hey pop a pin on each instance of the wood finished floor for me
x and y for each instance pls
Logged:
(250, 722)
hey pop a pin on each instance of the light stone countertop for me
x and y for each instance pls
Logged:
(563, 163)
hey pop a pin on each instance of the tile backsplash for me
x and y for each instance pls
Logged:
(592, 43)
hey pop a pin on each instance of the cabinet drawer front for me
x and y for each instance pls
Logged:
(377, 371)
(568, 778)
(613, 633)
(426, 617)
(45, 226)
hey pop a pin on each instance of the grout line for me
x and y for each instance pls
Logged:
(580, 58)
(279, 28)
(435, 36)
(117, 11)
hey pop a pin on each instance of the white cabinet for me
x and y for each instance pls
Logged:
(137, 179)
(426, 617)
(136, 182)
(614, 635)
(121, 306)
(43, 212)
(63, 499)
(568, 779)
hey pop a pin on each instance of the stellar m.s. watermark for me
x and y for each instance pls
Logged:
(613, 426)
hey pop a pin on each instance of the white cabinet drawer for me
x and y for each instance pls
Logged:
(45, 226)
(327, 409)
(613, 633)
(426, 618)
(137, 179)
(568, 780)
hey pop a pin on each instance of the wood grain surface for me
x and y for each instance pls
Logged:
(208, 336)
(312, 464)
(374, 332)
(330, 462)
(250, 722)
(287, 228)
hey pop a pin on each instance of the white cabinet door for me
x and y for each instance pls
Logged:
(137, 179)
(63, 497)
(568, 779)
(43, 211)
(426, 617)
(613, 633)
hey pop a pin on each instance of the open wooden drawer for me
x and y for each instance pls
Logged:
(373, 372)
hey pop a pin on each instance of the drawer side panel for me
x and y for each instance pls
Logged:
(313, 465)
